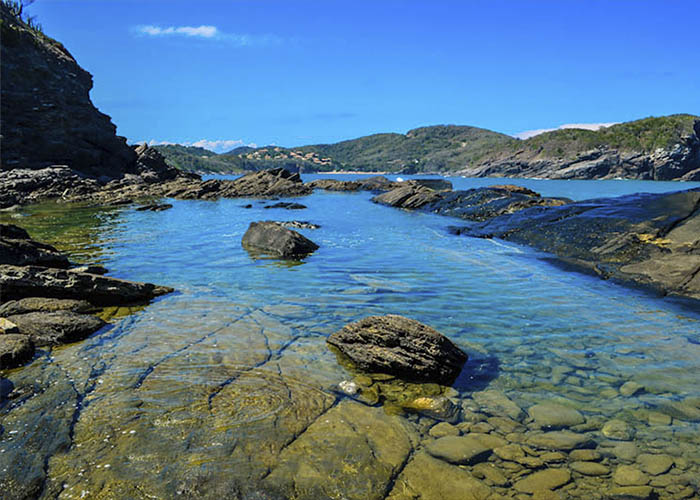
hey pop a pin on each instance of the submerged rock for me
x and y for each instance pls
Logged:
(461, 450)
(15, 350)
(274, 239)
(547, 479)
(287, 205)
(428, 478)
(400, 346)
(555, 416)
(32, 281)
(54, 328)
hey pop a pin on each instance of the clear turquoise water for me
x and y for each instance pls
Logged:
(235, 317)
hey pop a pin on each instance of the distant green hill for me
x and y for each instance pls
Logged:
(643, 136)
(195, 159)
(441, 148)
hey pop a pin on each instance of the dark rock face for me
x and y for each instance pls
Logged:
(400, 346)
(679, 162)
(473, 204)
(15, 350)
(32, 281)
(54, 328)
(17, 248)
(155, 207)
(274, 239)
(647, 239)
(42, 85)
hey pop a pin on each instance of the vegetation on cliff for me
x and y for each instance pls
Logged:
(196, 159)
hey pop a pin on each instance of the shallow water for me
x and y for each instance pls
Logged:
(227, 386)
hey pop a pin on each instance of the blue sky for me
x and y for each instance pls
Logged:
(303, 72)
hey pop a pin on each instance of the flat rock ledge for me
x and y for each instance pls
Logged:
(400, 346)
(272, 238)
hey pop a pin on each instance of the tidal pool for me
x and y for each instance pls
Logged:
(227, 389)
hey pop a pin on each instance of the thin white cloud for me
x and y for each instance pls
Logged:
(585, 126)
(207, 32)
(217, 145)
(191, 31)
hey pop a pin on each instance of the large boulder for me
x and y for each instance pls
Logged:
(54, 328)
(400, 346)
(274, 239)
(15, 350)
(17, 248)
(18, 282)
(44, 304)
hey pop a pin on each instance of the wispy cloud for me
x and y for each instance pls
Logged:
(586, 126)
(206, 32)
(216, 145)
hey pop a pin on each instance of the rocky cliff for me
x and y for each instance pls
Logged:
(47, 116)
(678, 160)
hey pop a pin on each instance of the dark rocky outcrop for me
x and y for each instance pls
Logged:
(18, 282)
(287, 205)
(473, 204)
(400, 346)
(47, 115)
(273, 238)
(44, 304)
(155, 207)
(17, 248)
(680, 161)
(15, 350)
(375, 183)
(54, 328)
(647, 239)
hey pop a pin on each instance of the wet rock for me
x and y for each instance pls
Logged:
(33, 281)
(478, 204)
(90, 269)
(511, 452)
(658, 418)
(547, 479)
(641, 239)
(273, 239)
(626, 475)
(439, 408)
(15, 350)
(299, 224)
(434, 184)
(625, 451)
(54, 328)
(631, 493)
(631, 388)
(516, 189)
(618, 430)
(589, 468)
(497, 403)
(18, 249)
(687, 409)
(352, 451)
(348, 387)
(154, 207)
(7, 326)
(443, 429)
(555, 416)
(459, 449)
(287, 205)
(376, 183)
(43, 304)
(400, 346)
(428, 478)
(492, 474)
(585, 455)
(559, 440)
(654, 464)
